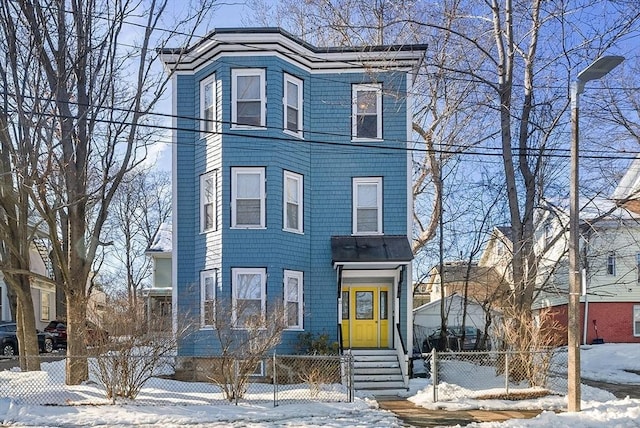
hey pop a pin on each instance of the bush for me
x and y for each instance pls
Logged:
(316, 344)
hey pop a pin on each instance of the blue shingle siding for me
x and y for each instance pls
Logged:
(326, 158)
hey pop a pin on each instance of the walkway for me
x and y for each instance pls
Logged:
(416, 416)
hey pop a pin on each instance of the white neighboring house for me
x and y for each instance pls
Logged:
(42, 293)
(158, 298)
(610, 260)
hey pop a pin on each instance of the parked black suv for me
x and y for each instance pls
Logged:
(9, 340)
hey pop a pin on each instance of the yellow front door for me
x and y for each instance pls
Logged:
(365, 322)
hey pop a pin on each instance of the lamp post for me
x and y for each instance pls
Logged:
(595, 71)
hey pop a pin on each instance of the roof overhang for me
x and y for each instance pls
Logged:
(370, 252)
(270, 41)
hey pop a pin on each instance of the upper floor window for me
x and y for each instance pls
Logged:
(247, 197)
(611, 264)
(293, 298)
(249, 297)
(293, 197)
(208, 214)
(207, 106)
(249, 99)
(367, 205)
(208, 279)
(367, 111)
(293, 105)
(638, 266)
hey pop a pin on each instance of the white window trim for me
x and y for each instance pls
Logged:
(636, 333)
(235, 171)
(300, 277)
(210, 273)
(203, 179)
(299, 83)
(235, 272)
(354, 110)
(300, 184)
(203, 132)
(366, 180)
(235, 73)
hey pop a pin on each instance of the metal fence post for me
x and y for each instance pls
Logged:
(506, 372)
(275, 381)
(434, 374)
(350, 376)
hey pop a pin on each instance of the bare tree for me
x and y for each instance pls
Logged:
(244, 339)
(140, 206)
(100, 84)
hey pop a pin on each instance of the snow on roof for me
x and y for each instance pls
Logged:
(630, 183)
(162, 240)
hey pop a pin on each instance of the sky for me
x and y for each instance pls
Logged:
(228, 14)
(600, 408)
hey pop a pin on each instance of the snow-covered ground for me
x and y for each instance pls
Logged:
(607, 362)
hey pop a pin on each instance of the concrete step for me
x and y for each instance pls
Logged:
(377, 378)
(370, 385)
(376, 370)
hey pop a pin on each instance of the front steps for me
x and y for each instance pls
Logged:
(377, 371)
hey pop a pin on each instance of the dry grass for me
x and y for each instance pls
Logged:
(517, 395)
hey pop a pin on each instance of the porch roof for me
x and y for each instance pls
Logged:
(369, 250)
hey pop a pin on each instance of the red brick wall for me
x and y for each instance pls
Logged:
(614, 322)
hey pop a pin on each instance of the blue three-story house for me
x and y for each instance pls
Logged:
(292, 187)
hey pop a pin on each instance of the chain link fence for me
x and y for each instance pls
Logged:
(277, 379)
(493, 374)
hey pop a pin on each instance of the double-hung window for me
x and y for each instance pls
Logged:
(249, 297)
(208, 106)
(293, 105)
(249, 100)
(247, 197)
(293, 302)
(638, 267)
(208, 211)
(367, 205)
(208, 280)
(293, 198)
(636, 320)
(367, 111)
(611, 264)
(45, 304)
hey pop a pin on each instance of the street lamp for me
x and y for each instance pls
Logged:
(595, 71)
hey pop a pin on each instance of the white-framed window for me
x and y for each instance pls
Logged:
(249, 289)
(208, 208)
(293, 200)
(548, 233)
(611, 264)
(293, 298)
(248, 197)
(249, 99)
(45, 304)
(367, 111)
(638, 267)
(367, 205)
(208, 281)
(292, 103)
(208, 122)
(636, 320)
